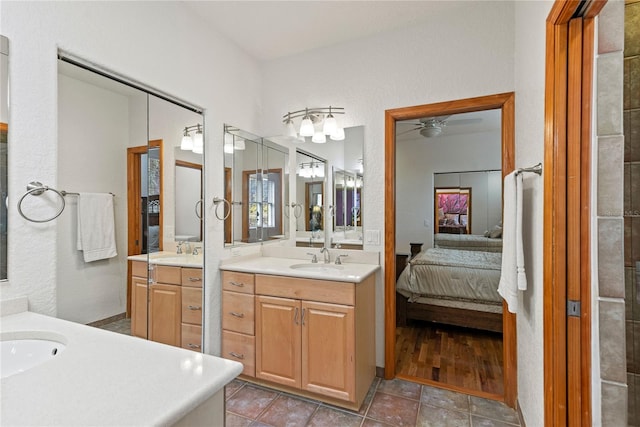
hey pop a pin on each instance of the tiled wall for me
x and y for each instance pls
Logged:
(631, 115)
(610, 151)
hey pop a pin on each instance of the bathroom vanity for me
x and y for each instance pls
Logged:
(166, 299)
(105, 378)
(306, 328)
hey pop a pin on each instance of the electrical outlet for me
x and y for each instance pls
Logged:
(372, 237)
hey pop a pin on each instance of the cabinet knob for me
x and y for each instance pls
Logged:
(235, 314)
(236, 355)
(194, 307)
(240, 285)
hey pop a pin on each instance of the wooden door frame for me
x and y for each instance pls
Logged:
(506, 103)
(569, 65)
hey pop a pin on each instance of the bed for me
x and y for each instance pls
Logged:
(468, 242)
(452, 286)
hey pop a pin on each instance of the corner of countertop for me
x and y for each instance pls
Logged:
(13, 306)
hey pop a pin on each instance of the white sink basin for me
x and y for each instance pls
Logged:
(21, 352)
(317, 267)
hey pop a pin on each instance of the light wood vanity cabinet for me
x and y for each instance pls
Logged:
(314, 336)
(168, 308)
(238, 325)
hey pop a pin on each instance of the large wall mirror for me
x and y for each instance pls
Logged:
(256, 182)
(342, 191)
(118, 139)
(4, 133)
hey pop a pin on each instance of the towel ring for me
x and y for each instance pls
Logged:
(218, 201)
(36, 188)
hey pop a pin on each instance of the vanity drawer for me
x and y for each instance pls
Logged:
(306, 289)
(238, 312)
(241, 348)
(139, 268)
(192, 337)
(192, 305)
(238, 282)
(166, 274)
(192, 277)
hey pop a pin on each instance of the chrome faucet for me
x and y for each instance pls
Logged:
(314, 257)
(196, 250)
(179, 248)
(327, 255)
(338, 259)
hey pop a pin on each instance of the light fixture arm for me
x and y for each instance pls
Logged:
(313, 113)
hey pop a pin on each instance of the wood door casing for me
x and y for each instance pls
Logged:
(506, 103)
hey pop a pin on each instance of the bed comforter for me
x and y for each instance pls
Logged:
(453, 274)
(467, 242)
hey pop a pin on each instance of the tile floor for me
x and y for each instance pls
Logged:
(388, 403)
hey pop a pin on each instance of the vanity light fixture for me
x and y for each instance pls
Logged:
(311, 170)
(195, 143)
(310, 118)
(232, 142)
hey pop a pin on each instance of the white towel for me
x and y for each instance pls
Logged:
(513, 277)
(96, 226)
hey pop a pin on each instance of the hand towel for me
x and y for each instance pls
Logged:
(96, 226)
(512, 276)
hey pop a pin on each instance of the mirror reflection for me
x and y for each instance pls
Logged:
(130, 141)
(256, 184)
(343, 196)
(310, 201)
(4, 129)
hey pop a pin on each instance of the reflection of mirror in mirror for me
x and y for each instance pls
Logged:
(188, 196)
(4, 129)
(346, 157)
(256, 183)
(311, 198)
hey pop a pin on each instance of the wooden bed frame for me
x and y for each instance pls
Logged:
(474, 319)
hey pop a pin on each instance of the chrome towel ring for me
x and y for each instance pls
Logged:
(218, 201)
(36, 188)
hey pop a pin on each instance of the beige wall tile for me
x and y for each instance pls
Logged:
(613, 356)
(614, 404)
(632, 29)
(609, 94)
(610, 253)
(610, 175)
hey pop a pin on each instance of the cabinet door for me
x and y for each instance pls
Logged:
(165, 310)
(328, 349)
(278, 340)
(139, 300)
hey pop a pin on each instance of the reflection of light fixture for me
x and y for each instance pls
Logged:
(195, 144)
(360, 165)
(311, 117)
(232, 142)
(313, 169)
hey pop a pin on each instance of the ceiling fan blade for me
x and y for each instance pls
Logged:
(409, 123)
(462, 122)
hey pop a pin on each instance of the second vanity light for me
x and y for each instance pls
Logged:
(194, 144)
(312, 117)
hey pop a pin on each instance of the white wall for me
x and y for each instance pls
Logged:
(145, 41)
(93, 135)
(530, 21)
(453, 56)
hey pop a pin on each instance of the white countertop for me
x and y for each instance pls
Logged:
(349, 272)
(170, 258)
(105, 378)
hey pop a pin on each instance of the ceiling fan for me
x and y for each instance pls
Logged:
(430, 127)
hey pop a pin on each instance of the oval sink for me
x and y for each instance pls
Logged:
(19, 354)
(317, 267)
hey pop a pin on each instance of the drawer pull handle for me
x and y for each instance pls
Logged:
(236, 355)
(235, 314)
(240, 285)
(195, 307)
(295, 315)
(195, 279)
(193, 345)
(303, 310)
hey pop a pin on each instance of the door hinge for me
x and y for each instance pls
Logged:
(573, 308)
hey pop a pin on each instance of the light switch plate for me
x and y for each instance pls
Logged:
(372, 237)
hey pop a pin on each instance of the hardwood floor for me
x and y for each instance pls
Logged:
(459, 357)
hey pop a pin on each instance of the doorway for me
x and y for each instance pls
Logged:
(504, 103)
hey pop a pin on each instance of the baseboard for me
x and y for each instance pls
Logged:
(379, 372)
(519, 411)
(108, 320)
